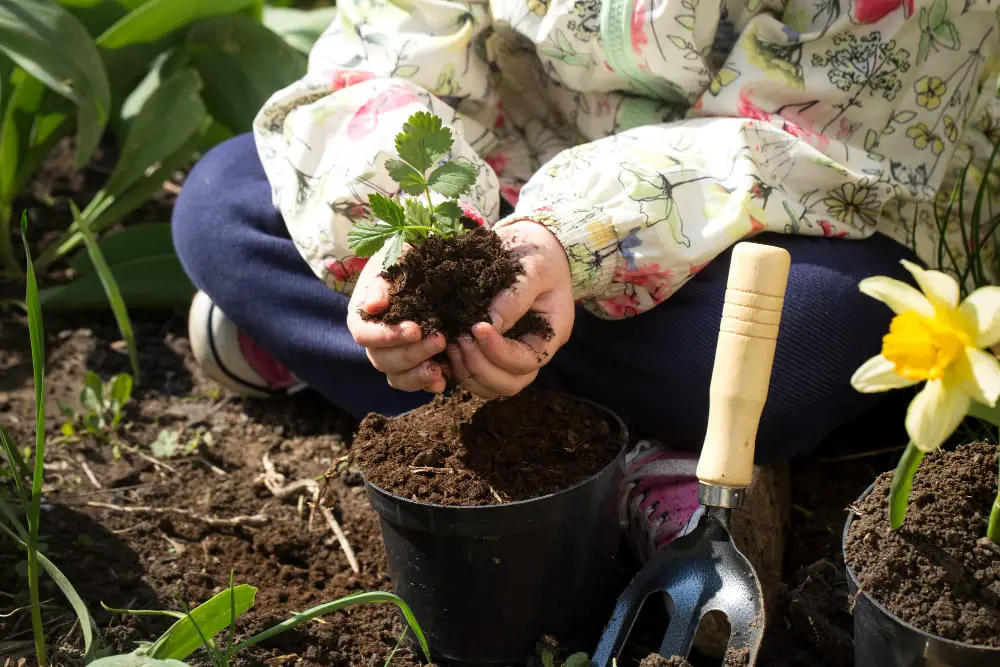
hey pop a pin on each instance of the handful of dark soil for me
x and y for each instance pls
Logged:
(460, 449)
(446, 285)
(936, 572)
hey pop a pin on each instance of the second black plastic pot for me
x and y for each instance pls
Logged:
(881, 639)
(485, 583)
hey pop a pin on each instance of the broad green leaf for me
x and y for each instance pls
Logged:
(299, 27)
(164, 65)
(448, 209)
(394, 250)
(902, 482)
(410, 180)
(171, 116)
(133, 660)
(367, 238)
(111, 289)
(121, 389)
(418, 214)
(156, 282)
(348, 601)
(92, 394)
(156, 18)
(423, 140)
(452, 179)
(242, 64)
(387, 209)
(24, 102)
(149, 239)
(53, 46)
(577, 660)
(182, 638)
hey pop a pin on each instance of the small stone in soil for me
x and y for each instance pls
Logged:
(486, 452)
(446, 285)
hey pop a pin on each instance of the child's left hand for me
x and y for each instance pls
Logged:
(489, 365)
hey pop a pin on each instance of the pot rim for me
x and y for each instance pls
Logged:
(623, 437)
(878, 605)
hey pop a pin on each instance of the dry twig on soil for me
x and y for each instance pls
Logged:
(254, 520)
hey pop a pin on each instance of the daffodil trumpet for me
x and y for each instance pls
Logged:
(939, 340)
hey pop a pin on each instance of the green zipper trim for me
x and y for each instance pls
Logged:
(616, 35)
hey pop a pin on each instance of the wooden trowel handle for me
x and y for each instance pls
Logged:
(755, 294)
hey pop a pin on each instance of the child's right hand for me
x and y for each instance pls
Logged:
(398, 350)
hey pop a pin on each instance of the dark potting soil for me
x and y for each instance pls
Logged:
(657, 660)
(463, 450)
(736, 657)
(935, 573)
(446, 286)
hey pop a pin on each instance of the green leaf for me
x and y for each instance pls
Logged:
(946, 34)
(410, 180)
(146, 612)
(111, 289)
(171, 116)
(210, 617)
(902, 483)
(134, 660)
(156, 18)
(394, 250)
(121, 389)
(135, 241)
(300, 28)
(53, 46)
(418, 214)
(387, 209)
(156, 282)
(452, 179)
(448, 209)
(242, 63)
(348, 601)
(366, 238)
(577, 660)
(16, 462)
(92, 394)
(423, 140)
(166, 444)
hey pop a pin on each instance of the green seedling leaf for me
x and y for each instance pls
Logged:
(423, 141)
(135, 660)
(110, 288)
(420, 216)
(155, 18)
(410, 180)
(121, 389)
(452, 179)
(168, 119)
(242, 63)
(387, 210)
(394, 250)
(367, 238)
(52, 45)
(209, 618)
(166, 445)
(145, 612)
(94, 390)
(902, 483)
(577, 660)
(17, 465)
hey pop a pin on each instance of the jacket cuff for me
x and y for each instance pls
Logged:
(590, 241)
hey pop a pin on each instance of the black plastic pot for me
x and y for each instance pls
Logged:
(485, 583)
(881, 639)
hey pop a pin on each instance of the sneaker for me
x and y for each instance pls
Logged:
(658, 503)
(229, 357)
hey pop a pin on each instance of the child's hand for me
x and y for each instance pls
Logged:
(489, 365)
(397, 350)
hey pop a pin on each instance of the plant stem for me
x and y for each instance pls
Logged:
(902, 482)
(993, 527)
(8, 260)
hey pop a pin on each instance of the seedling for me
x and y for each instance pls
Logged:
(168, 444)
(423, 142)
(102, 405)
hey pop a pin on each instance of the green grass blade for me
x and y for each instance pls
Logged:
(17, 465)
(348, 601)
(87, 623)
(111, 289)
(12, 516)
(902, 483)
(144, 612)
(35, 333)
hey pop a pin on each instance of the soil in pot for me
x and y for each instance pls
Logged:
(935, 573)
(657, 660)
(463, 450)
(446, 285)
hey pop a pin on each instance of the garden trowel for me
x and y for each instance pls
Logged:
(704, 571)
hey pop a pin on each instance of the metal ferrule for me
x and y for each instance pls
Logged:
(711, 495)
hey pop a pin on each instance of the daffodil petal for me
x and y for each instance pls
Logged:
(982, 310)
(939, 288)
(878, 374)
(935, 413)
(896, 294)
(982, 376)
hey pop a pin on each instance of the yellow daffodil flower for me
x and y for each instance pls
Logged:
(935, 339)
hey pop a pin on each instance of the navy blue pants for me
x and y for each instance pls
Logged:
(653, 369)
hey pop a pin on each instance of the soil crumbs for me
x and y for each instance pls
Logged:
(446, 286)
(461, 450)
(935, 573)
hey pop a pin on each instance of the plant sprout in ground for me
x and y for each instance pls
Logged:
(102, 405)
(422, 143)
(936, 339)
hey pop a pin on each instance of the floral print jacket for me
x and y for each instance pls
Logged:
(651, 135)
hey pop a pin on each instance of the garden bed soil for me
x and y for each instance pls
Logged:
(462, 450)
(446, 285)
(936, 572)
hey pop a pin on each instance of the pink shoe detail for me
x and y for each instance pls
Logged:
(276, 375)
